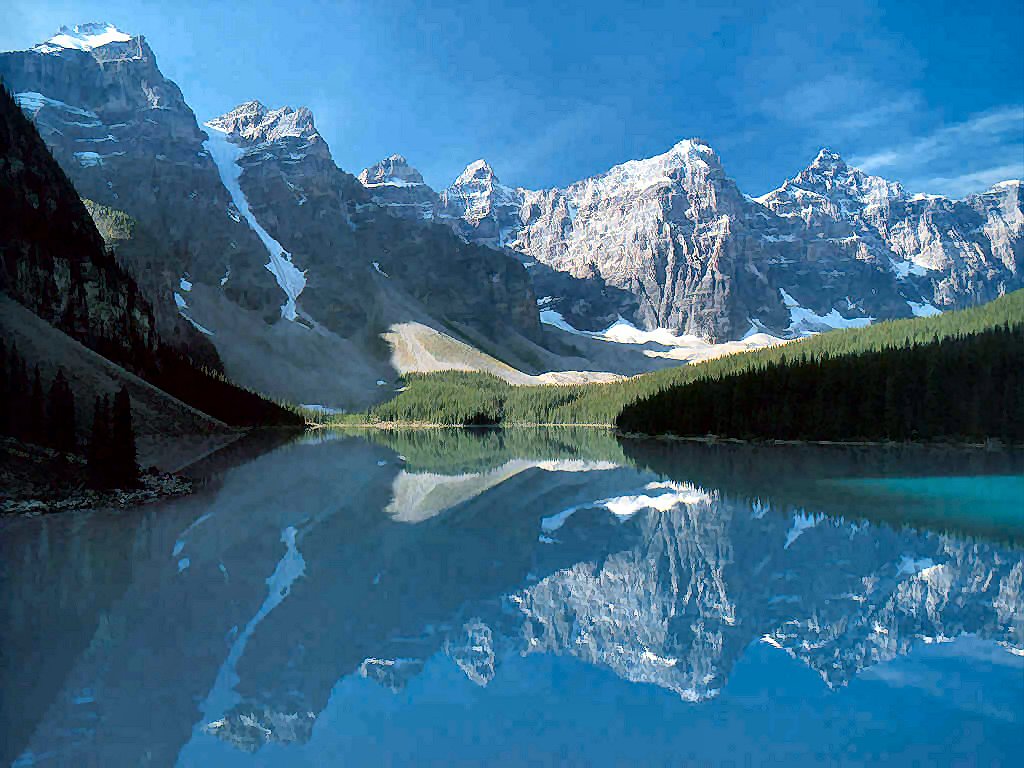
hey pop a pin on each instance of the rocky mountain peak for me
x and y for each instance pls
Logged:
(83, 37)
(828, 159)
(846, 189)
(478, 171)
(392, 171)
(256, 123)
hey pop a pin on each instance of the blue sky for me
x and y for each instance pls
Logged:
(927, 93)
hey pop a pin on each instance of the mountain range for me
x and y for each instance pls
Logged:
(261, 256)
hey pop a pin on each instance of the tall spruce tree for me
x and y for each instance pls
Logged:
(60, 414)
(99, 450)
(36, 424)
(125, 464)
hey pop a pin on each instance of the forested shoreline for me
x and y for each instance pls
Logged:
(965, 388)
(891, 385)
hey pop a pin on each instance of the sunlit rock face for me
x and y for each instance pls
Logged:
(953, 252)
(832, 247)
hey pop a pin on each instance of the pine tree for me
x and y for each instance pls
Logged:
(99, 445)
(36, 424)
(125, 464)
(61, 415)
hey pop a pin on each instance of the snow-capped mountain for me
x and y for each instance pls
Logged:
(249, 233)
(955, 252)
(481, 207)
(398, 186)
(832, 247)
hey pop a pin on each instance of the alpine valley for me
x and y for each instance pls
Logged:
(303, 465)
(262, 258)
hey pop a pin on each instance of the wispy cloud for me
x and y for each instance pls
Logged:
(973, 181)
(956, 159)
(840, 104)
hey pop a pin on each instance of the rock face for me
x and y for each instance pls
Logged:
(250, 224)
(400, 188)
(671, 242)
(480, 207)
(128, 141)
(340, 245)
(955, 252)
(52, 259)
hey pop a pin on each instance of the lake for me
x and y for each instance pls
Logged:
(527, 597)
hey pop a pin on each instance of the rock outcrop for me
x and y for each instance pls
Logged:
(671, 242)
(248, 228)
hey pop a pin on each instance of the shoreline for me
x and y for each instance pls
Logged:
(989, 444)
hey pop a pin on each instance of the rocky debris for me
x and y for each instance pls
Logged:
(36, 480)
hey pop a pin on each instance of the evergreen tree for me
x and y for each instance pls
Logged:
(99, 450)
(124, 462)
(36, 421)
(61, 415)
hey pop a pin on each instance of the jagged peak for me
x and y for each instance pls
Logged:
(693, 144)
(391, 171)
(826, 158)
(255, 122)
(478, 170)
(1003, 186)
(84, 37)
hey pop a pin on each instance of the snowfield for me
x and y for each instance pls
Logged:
(675, 346)
(290, 278)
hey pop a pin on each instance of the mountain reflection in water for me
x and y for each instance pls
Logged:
(443, 597)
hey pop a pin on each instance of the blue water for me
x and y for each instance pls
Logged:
(542, 598)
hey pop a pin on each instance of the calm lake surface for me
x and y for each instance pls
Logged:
(527, 598)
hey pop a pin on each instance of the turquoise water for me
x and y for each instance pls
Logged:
(526, 598)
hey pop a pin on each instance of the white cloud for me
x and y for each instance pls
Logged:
(840, 105)
(997, 124)
(946, 161)
(973, 181)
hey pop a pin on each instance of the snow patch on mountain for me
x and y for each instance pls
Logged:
(923, 310)
(32, 102)
(663, 342)
(804, 322)
(83, 37)
(225, 156)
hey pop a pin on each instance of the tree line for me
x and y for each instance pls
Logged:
(44, 413)
(967, 387)
(824, 361)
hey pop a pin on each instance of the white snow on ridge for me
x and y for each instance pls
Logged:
(392, 181)
(677, 346)
(804, 322)
(291, 279)
(84, 37)
(33, 101)
(635, 176)
(923, 310)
